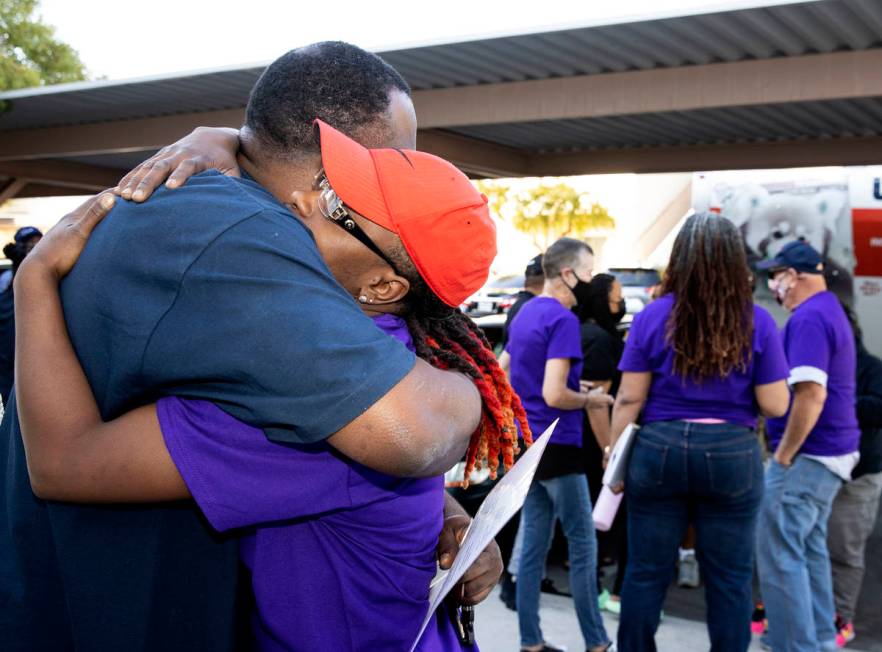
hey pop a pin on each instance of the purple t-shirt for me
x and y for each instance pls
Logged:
(341, 556)
(544, 330)
(820, 348)
(671, 398)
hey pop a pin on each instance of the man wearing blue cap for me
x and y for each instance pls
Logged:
(815, 449)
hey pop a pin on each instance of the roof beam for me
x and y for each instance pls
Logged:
(88, 178)
(837, 75)
(474, 157)
(783, 154)
(49, 190)
(11, 189)
(103, 137)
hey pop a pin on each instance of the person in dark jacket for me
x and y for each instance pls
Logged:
(25, 239)
(602, 347)
(534, 279)
(857, 504)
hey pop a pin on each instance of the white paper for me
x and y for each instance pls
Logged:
(617, 468)
(498, 507)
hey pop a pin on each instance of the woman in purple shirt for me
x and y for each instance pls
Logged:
(341, 557)
(700, 363)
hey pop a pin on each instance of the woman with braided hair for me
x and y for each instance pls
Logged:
(340, 556)
(700, 363)
(453, 341)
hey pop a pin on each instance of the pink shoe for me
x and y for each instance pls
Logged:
(759, 624)
(844, 632)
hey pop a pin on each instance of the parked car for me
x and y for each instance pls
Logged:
(492, 325)
(638, 285)
(495, 298)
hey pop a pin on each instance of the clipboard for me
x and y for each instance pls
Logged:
(617, 468)
(506, 498)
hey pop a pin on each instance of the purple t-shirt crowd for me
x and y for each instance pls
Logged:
(341, 557)
(672, 398)
(816, 345)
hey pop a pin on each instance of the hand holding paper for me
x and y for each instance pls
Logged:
(498, 507)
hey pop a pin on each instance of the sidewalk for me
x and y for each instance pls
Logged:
(496, 628)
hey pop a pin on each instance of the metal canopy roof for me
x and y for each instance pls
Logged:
(758, 33)
(762, 123)
(472, 84)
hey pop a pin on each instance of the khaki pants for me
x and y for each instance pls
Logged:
(851, 524)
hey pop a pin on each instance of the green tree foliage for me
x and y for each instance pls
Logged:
(547, 212)
(30, 55)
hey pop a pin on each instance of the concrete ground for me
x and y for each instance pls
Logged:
(683, 629)
(496, 628)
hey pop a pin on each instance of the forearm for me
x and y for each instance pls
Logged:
(567, 399)
(804, 414)
(454, 409)
(452, 507)
(599, 419)
(625, 411)
(55, 403)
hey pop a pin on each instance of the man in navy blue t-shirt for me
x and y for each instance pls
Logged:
(216, 291)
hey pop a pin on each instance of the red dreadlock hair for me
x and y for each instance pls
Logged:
(447, 339)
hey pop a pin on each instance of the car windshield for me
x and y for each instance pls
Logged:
(515, 282)
(636, 277)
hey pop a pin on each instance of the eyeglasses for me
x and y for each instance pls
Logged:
(333, 208)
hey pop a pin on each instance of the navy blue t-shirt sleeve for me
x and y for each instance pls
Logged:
(260, 327)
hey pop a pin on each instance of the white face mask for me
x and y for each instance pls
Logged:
(779, 289)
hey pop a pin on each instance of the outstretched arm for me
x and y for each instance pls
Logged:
(72, 454)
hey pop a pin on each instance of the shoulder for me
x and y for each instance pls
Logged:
(591, 331)
(654, 315)
(661, 306)
(174, 226)
(817, 312)
(763, 322)
(595, 335)
(560, 316)
(212, 196)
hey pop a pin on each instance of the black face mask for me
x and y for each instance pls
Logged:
(619, 314)
(581, 291)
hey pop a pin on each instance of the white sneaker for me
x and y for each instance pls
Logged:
(689, 575)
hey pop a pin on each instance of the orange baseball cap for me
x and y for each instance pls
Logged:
(440, 217)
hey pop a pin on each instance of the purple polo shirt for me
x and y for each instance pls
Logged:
(820, 348)
(544, 330)
(671, 398)
(341, 556)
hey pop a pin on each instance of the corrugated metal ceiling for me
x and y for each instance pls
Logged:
(809, 120)
(758, 33)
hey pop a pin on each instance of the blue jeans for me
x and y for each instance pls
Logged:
(792, 557)
(566, 498)
(708, 475)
